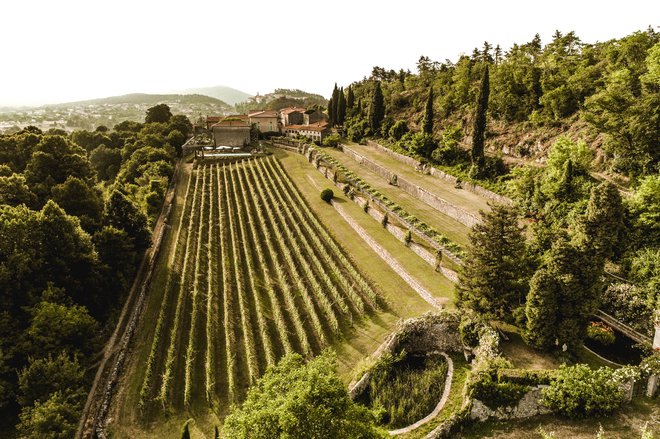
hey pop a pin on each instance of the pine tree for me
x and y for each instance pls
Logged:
(350, 97)
(341, 107)
(480, 124)
(427, 123)
(376, 109)
(493, 278)
(216, 434)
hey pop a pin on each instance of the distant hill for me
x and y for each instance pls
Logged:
(281, 98)
(226, 94)
(150, 99)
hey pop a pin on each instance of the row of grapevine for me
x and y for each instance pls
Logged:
(253, 276)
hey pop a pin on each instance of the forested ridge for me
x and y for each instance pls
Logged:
(75, 217)
(606, 93)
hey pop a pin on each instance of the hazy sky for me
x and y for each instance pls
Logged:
(63, 50)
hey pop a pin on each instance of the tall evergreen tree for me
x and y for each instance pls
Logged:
(341, 107)
(376, 109)
(602, 225)
(480, 123)
(350, 97)
(331, 112)
(335, 105)
(427, 123)
(564, 295)
(493, 278)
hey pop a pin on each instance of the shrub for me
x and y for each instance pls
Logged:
(496, 394)
(408, 238)
(578, 391)
(332, 140)
(327, 195)
(385, 220)
(601, 333)
(366, 206)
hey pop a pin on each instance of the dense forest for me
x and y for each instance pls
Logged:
(589, 205)
(75, 217)
(605, 92)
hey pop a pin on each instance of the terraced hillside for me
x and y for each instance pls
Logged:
(253, 275)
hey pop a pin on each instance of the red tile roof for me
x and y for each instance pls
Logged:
(292, 109)
(265, 113)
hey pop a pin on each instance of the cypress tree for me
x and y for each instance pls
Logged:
(335, 105)
(350, 97)
(541, 310)
(341, 108)
(331, 113)
(493, 278)
(480, 123)
(216, 434)
(376, 109)
(427, 124)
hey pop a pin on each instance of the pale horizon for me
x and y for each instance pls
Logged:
(74, 50)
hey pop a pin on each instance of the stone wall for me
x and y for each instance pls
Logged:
(529, 405)
(440, 204)
(231, 136)
(474, 188)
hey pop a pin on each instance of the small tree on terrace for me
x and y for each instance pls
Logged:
(494, 276)
(376, 108)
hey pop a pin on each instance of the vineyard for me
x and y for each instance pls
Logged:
(253, 275)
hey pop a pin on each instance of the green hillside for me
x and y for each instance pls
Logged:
(226, 94)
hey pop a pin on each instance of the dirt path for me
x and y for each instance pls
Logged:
(100, 392)
(387, 257)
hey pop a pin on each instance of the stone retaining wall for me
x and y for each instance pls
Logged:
(459, 214)
(474, 188)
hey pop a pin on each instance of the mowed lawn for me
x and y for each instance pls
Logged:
(460, 197)
(444, 224)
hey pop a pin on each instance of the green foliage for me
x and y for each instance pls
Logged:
(632, 305)
(644, 207)
(77, 198)
(601, 227)
(479, 129)
(55, 327)
(385, 220)
(579, 391)
(376, 108)
(41, 378)
(158, 113)
(427, 122)
(332, 140)
(423, 144)
(407, 239)
(106, 162)
(398, 130)
(121, 213)
(327, 195)
(496, 394)
(493, 278)
(406, 388)
(56, 418)
(601, 333)
(564, 293)
(295, 399)
(14, 191)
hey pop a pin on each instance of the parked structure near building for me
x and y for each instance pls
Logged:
(232, 131)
